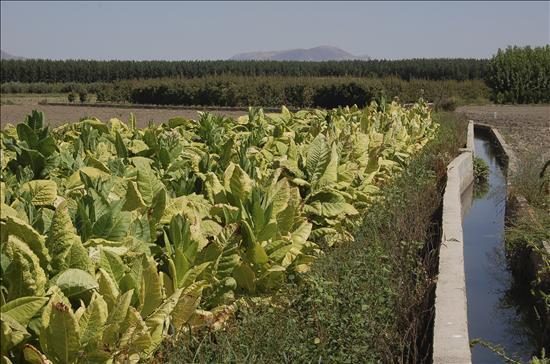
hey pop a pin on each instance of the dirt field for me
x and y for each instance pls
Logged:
(526, 128)
(56, 115)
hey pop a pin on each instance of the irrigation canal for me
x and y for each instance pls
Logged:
(496, 313)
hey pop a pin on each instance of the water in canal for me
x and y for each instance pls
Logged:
(494, 312)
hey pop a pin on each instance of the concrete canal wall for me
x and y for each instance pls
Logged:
(451, 341)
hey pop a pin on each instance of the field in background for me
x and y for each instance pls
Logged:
(60, 114)
(525, 127)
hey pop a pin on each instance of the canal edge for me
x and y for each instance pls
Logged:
(451, 341)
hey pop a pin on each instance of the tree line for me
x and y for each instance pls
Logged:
(87, 71)
(265, 91)
(514, 75)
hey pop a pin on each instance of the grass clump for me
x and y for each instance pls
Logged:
(528, 239)
(532, 180)
(527, 242)
(481, 177)
(364, 301)
(481, 170)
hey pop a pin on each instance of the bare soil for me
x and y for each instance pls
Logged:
(56, 115)
(525, 127)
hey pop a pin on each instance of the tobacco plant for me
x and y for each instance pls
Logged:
(114, 236)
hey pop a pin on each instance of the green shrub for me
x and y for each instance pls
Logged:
(83, 96)
(447, 104)
(71, 97)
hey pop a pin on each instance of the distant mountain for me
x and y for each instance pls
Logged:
(4, 55)
(322, 53)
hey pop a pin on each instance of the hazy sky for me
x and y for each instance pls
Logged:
(218, 30)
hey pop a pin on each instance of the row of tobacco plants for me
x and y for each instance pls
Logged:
(114, 237)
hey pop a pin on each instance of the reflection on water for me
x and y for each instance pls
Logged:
(494, 312)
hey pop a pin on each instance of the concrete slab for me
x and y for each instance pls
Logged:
(451, 340)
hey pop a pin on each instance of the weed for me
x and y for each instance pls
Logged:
(532, 180)
(481, 170)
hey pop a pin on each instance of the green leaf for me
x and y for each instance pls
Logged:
(33, 356)
(301, 234)
(152, 285)
(279, 196)
(121, 150)
(330, 174)
(245, 277)
(112, 264)
(34, 159)
(133, 280)
(135, 338)
(108, 288)
(2, 193)
(92, 162)
(188, 301)
(60, 336)
(116, 317)
(182, 265)
(96, 124)
(113, 225)
(133, 198)
(148, 184)
(287, 217)
(23, 309)
(47, 146)
(253, 250)
(65, 245)
(43, 192)
(35, 120)
(268, 232)
(11, 334)
(26, 233)
(318, 157)
(26, 134)
(24, 276)
(157, 206)
(93, 320)
(76, 283)
(192, 274)
(237, 182)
